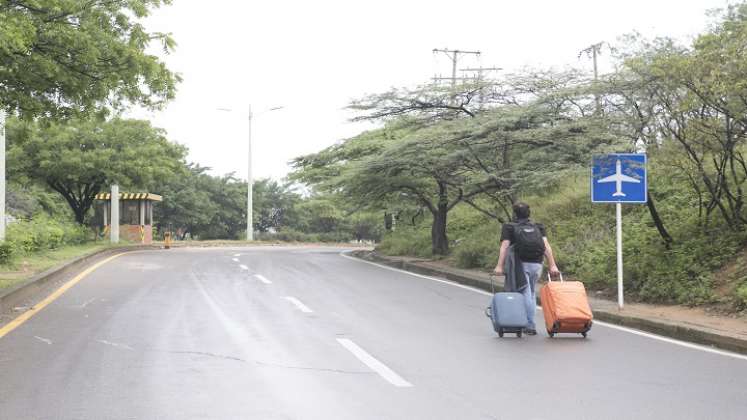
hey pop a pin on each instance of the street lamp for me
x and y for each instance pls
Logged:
(249, 216)
(2, 174)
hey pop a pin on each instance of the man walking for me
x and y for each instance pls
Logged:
(531, 247)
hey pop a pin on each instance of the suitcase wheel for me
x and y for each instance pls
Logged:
(500, 332)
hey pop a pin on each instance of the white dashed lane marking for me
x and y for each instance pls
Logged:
(303, 308)
(262, 278)
(374, 364)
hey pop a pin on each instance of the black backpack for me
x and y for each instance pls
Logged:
(528, 240)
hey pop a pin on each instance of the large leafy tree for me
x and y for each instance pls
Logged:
(479, 144)
(81, 159)
(274, 205)
(66, 57)
(201, 205)
(462, 160)
(690, 102)
(187, 204)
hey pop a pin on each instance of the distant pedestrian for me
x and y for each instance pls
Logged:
(530, 244)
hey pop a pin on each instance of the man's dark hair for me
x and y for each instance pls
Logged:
(521, 210)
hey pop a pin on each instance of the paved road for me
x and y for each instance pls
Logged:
(195, 333)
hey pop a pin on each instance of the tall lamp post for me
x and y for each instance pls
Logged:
(2, 174)
(249, 211)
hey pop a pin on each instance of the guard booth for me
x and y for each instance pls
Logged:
(135, 215)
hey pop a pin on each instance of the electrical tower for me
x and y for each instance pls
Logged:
(593, 51)
(454, 57)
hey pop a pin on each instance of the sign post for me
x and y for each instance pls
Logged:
(2, 174)
(619, 178)
(114, 222)
(619, 217)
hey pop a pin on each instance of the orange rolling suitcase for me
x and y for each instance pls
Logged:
(566, 307)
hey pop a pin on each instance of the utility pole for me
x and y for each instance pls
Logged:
(249, 215)
(249, 180)
(594, 50)
(454, 57)
(114, 222)
(2, 174)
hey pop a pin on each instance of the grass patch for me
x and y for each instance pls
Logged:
(23, 267)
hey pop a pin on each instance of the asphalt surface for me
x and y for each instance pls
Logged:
(194, 333)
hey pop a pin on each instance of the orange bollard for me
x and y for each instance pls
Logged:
(167, 240)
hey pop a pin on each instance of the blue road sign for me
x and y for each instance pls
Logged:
(619, 178)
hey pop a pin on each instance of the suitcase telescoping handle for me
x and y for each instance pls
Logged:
(549, 277)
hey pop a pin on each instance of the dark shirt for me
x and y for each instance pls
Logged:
(507, 234)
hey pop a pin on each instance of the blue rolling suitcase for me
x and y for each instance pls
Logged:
(508, 313)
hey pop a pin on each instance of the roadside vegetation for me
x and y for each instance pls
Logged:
(68, 68)
(450, 162)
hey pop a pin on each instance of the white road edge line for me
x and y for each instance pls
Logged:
(672, 340)
(236, 255)
(263, 279)
(600, 323)
(374, 364)
(243, 267)
(235, 259)
(450, 283)
(303, 308)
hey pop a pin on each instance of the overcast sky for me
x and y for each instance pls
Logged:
(313, 57)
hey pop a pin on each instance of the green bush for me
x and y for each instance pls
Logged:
(291, 235)
(44, 233)
(407, 241)
(6, 252)
(742, 294)
(477, 252)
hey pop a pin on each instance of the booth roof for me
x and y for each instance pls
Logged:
(131, 196)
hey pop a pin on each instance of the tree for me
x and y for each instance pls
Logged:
(320, 214)
(441, 165)
(65, 57)
(695, 98)
(81, 159)
(274, 205)
(187, 205)
(228, 195)
(201, 205)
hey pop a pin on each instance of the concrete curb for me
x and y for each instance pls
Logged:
(28, 292)
(659, 327)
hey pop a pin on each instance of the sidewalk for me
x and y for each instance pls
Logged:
(679, 322)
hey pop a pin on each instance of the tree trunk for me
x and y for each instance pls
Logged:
(79, 204)
(658, 222)
(439, 240)
(80, 214)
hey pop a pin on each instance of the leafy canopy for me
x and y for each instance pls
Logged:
(66, 57)
(80, 159)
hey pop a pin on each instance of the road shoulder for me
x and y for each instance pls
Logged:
(19, 298)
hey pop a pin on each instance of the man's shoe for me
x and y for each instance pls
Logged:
(530, 331)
